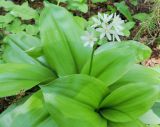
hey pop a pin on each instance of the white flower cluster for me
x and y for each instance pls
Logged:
(89, 39)
(108, 26)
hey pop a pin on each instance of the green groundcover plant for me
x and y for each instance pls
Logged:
(77, 87)
(18, 18)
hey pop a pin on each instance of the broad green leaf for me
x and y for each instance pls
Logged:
(83, 7)
(5, 19)
(20, 46)
(81, 22)
(60, 35)
(7, 5)
(72, 99)
(156, 109)
(47, 123)
(116, 115)
(142, 51)
(31, 113)
(80, 88)
(131, 99)
(127, 27)
(43, 61)
(152, 126)
(96, 1)
(24, 11)
(32, 29)
(141, 16)
(35, 52)
(111, 8)
(23, 40)
(15, 78)
(13, 54)
(138, 74)
(150, 118)
(15, 27)
(115, 59)
(134, 2)
(126, 124)
(123, 8)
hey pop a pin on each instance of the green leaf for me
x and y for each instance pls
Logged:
(19, 77)
(23, 40)
(7, 5)
(5, 19)
(134, 2)
(24, 11)
(35, 52)
(141, 16)
(127, 27)
(78, 92)
(126, 124)
(111, 8)
(141, 74)
(115, 115)
(96, 1)
(31, 113)
(150, 118)
(78, 6)
(60, 35)
(81, 22)
(123, 8)
(32, 29)
(15, 27)
(20, 46)
(156, 109)
(136, 102)
(13, 54)
(116, 62)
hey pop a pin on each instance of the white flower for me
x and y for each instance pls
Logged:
(115, 36)
(102, 18)
(89, 39)
(97, 22)
(105, 17)
(117, 23)
(109, 26)
(106, 31)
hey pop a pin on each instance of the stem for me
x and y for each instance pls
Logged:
(89, 7)
(91, 62)
(58, 2)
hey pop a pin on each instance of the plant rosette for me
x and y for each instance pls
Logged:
(77, 87)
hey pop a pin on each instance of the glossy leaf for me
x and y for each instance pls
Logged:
(96, 1)
(60, 35)
(141, 16)
(126, 124)
(23, 40)
(131, 99)
(14, 54)
(141, 74)
(24, 12)
(31, 113)
(156, 108)
(123, 8)
(150, 118)
(72, 99)
(109, 60)
(15, 27)
(8, 5)
(15, 78)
